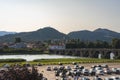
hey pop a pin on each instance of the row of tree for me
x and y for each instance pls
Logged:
(76, 43)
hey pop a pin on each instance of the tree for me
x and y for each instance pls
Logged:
(81, 44)
(98, 44)
(105, 44)
(18, 40)
(5, 47)
(90, 45)
(116, 43)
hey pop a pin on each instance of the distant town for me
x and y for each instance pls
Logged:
(61, 47)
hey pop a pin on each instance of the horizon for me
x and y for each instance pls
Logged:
(62, 32)
(64, 15)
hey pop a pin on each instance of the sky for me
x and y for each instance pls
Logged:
(63, 15)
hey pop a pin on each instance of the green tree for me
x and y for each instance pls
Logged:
(5, 47)
(105, 44)
(18, 40)
(82, 44)
(98, 44)
(116, 43)
(90, 45)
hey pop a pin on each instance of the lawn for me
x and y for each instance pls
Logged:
(56, 61)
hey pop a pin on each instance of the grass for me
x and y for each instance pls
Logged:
(12, 60)
(78, 60)
(56, 61)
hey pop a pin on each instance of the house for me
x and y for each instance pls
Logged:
(18, 45)
(30, 45)
(35, 45)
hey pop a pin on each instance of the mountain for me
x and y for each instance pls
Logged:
(98, 34)
(47, 33)
(2, 33)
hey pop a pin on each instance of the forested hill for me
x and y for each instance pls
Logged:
(98, 34)
(49, 33)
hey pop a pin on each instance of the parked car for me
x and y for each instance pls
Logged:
(104, 66)
(84, 78)
(60, 63)
(68, 68)
(39, 64)
(115, 70)
(93, 66)
(74, 63)
(97, 78)
(69, 73)
(92, 72)
(55, 68)
(76, 67)
(78, 72)
(108, 78)
(117, 78)
(99, 72)
(57, 73)
(85, 72)
(48, 68)
(98, 68)
(81, 67)
(108, 71)
(112, 78)
(61, 68)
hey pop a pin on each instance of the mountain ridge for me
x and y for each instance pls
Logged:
(2, 33)
(49, 33)
(97, 34)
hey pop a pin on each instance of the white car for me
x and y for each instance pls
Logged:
(100, 72)
(67, 67)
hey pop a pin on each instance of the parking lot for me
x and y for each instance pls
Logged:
(74, 71)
